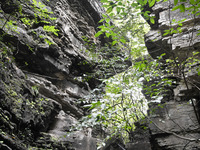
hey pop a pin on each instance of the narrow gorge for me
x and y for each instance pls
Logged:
(51, 59)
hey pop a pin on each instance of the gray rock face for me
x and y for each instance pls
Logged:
(140, 137)
(40, 90)
(173, 126)
(179, 44)
(60, 129)
(173, 122)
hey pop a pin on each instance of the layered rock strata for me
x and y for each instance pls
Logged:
(47, 67)
(174, 121)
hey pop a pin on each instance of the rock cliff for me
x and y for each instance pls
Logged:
(174, 121)
(47, 68)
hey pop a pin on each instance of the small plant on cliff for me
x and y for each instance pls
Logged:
(12, 17)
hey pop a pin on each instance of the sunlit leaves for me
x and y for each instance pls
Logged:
(151, 2)
(127, 30)
(120, 11)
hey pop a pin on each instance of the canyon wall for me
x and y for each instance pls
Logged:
(47, 68)
(50, 60)
(173, 121)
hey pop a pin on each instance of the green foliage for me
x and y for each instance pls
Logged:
(26, 21)
(181, 7)
(51, 29)
(122, 104)
(127, 25)
(41, 16)
(41, 10)
(118, 108)
(193, 7)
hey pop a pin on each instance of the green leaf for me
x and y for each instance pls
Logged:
(151, 3)
(101, 27)
(195, 53)
(141, 2)
(105, 6)
(175, 8)
(114, 42)
(142, 66)
(51, 29)
(105, 16)
(107, 25)
(103, 117)
(198, 73)
(111, 14)
(107, 20)
(107, 34)
(152, 20)
(98, 33)
(101, 20)
(123, 40)
(179, 29)
(182, 8)
(109, 9)
(166, 33)
(180, 24)
(120, 3)
(48, 42)
(163, 54)
(197, 14)
(175, 2)
(118, 10)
